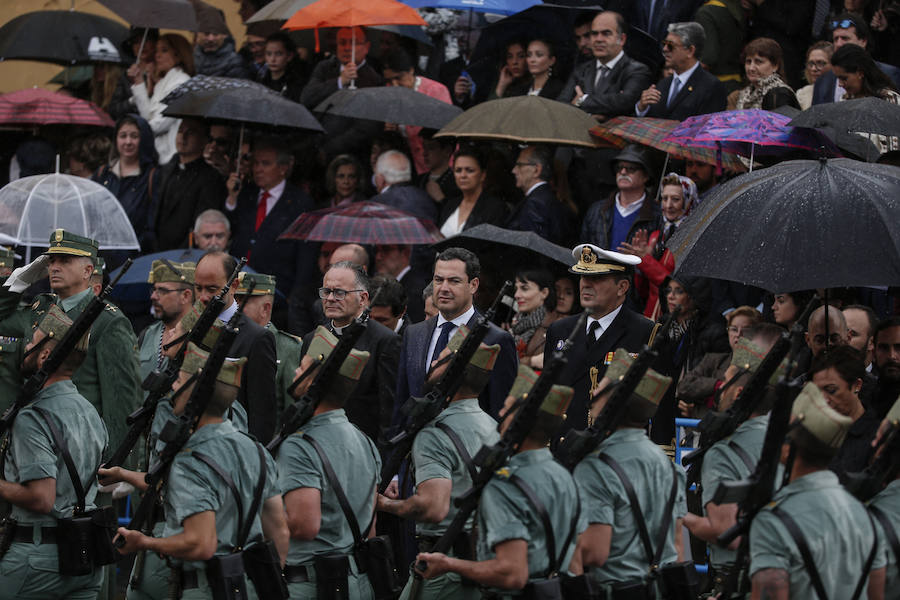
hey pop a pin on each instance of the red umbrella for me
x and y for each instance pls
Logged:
(36, 106)
(363, 223)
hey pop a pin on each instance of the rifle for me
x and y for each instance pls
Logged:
(755, 492)
(61, 351)
(297, 414)
(158, 383)
(716, 426)
(492, 458)
(579, 443)
(884, 469)
(421, 411)
(176, 432)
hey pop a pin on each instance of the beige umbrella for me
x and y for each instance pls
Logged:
(525, 119)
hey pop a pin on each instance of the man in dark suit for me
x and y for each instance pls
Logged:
(539, 211)
(455, 281)
(259, 213)
(847, 29)
(690, 90)
(605, 282)
(344, 135)
(257, 393)
(344, 294)
(393, 261)
(393, 181)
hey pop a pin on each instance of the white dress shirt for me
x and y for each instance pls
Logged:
(605, 321)
(460, 320)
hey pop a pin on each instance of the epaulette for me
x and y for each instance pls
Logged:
(290, 335)
(503, 472)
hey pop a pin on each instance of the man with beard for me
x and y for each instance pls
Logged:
(887, 362)
(171, 298)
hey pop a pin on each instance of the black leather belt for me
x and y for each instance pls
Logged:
(25, 534)
(296, 573)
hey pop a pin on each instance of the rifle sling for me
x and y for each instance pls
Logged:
(63, 448)
(460, 449)
(635, 506)
(743, 455)
(889, 531)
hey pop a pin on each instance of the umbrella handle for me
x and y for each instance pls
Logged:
(137, 59)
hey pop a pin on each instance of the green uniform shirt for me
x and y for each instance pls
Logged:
(888, 500)
(193, 487)
(723, 463)
(33, 454)
(435, 457)
(604, 501)
(357, 465)
(149, 356)
(504, 513)
(836, 528)
(11, 350)
(109, 376)
(287, 354)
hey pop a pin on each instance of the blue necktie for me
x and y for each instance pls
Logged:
(442, 340)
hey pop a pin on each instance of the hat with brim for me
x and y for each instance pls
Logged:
(321, 347)
(893, 415)
(190, 319)
(635, 154)
(594, 260)
(557, 401)
(56, 324)
(478, 371)
(7, 257)
(649, 392)
(812, 413)
(165, 271)
(747, 356)
(66, 242)
(263, 285)
(195, 358)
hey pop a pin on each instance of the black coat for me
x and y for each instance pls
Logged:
(257, 392)
(629, 330)
(551, 89)
(487, 209)
(185, 192)
(703, 94)
(409, 198)
(372, 402)
(541, 213)
(618, 91)
(414, 282)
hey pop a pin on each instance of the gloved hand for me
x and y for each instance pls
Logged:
(23, 277)
(118, 490)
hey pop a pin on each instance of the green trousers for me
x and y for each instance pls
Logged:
(31, 572)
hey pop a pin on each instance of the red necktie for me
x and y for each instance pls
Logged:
(261, 209)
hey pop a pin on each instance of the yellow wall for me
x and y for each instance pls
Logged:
(18, 74)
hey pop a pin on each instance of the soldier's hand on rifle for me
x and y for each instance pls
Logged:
(24, 276)
(134, 540)
(437, 564)
(393, 489)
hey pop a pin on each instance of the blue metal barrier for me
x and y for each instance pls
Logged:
(680, 425)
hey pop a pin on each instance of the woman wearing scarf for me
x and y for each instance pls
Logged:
(764, 68)
(678, 197)
(535, 301)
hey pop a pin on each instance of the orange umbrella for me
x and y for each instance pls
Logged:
(352, 13)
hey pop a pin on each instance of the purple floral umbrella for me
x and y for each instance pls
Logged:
(747, 132)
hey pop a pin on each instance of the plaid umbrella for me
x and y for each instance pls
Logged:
(648, 131)
(362, 223)
(35, 106)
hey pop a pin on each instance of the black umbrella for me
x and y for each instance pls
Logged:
(513, 248)
(848, 142)
(64, 37)
(798, 225)
(390, 104)
(164, 14)
(867, 115)
(237, 100)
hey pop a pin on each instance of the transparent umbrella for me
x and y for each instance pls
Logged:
(32, 207)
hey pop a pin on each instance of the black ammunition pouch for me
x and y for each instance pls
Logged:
(679, 580)
(225, 575)
(332, 577)
(580, 587)
(7, 534)
(543, 589)
(636, 589)
(263, 566)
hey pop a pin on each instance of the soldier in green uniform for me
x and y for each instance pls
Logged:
(171, 298)
(514, 548)
(442, 473)
(36, 481)
(287, 346)
(885, 507)
(7, 262)
(11, 344)
(732, 458)
(815, 511)
(202, 513)
(321, 551)
(612, 551)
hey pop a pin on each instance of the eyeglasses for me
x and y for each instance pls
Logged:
(674, 291)
(627, 168)
(833, 339)
(845, 24)
(735, 329)
(339, 294)
(817, 64)
(668, 46)
(161, 291)
(524, 164)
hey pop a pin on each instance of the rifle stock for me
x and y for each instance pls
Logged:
(884, 469)
(420, 411)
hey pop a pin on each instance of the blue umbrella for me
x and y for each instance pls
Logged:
(499, 7)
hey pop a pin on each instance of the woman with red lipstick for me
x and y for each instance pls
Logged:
(535, 301)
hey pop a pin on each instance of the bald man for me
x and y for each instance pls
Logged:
(837, 332)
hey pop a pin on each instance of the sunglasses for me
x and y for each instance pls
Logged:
(668, 46)
(845, 24)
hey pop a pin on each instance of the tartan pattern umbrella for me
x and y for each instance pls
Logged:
(362, 223)
(620, 131)
(36, 106)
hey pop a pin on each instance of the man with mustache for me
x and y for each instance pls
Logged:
(616, 219)
(887, 363)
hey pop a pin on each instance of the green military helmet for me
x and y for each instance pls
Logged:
(557, 401)
(264, 284)
(649, 391)
(190, 319)
(55, 325)
(747, 356)
(195, 358)
(478, 371)
(66, 242)
(822, 422)
(164, 271)
(893, 416)
(7, 257)
(99, 266)
(320, 348)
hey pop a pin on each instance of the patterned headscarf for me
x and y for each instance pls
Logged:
(689, 191)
